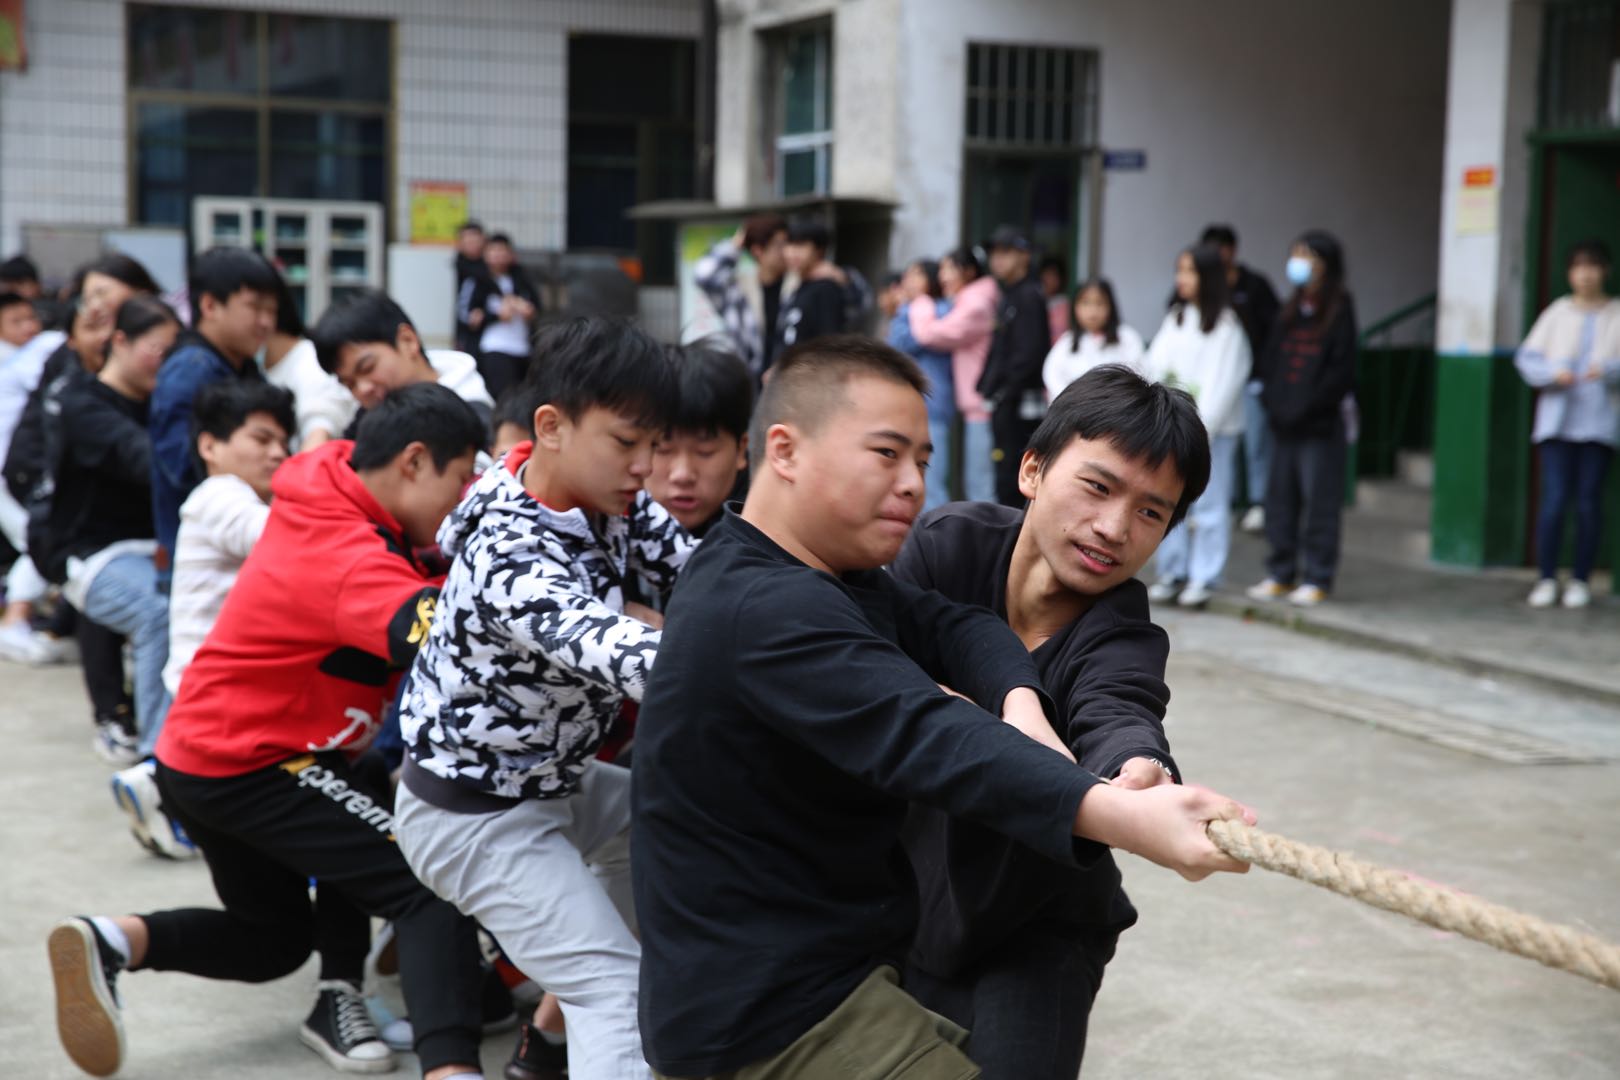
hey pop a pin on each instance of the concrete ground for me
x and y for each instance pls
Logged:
(1453, 778)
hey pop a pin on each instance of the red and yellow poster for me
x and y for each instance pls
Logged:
(13, 51)
(437, 211)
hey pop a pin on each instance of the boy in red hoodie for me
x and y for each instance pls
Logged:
(254, 759)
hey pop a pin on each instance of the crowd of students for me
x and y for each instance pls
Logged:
(404, 649)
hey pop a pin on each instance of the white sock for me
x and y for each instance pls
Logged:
(554, 1038)
(115, 937)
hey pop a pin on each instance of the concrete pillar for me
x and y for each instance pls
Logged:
(1482, 408)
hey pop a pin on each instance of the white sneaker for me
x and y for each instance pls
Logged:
(136, 793)
(21, 644)
(1269, 589)
(1194, 596)
(1545, 594)
(1163, 590)
(115, 744)
(1254, 519)
(1577, 594)
(1307, 596)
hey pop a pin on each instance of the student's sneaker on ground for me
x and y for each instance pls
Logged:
(536, 1059)
(84, 969)
(135, 790)
(1545, 594)
(114, 742)
(1577, 594)
(1307, 596)
(1194, 596)
(1164, 589)
(1254, 519)
(340, 1030)
(22, 644)
(1269, 589)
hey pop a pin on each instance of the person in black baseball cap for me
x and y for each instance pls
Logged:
(1011, 383)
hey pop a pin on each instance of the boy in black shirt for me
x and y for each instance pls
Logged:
(815, 308)
(1010, 944)
(703, 459)
(794, 711)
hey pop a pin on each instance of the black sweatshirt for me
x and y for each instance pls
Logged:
(1018, 350)
(1309, 369)
(103, 473)
(27, 458)
(815, 309)
(789, 719)
(1105, 670)
(1256, 307)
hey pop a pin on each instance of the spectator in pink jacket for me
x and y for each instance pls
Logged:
(965, 330)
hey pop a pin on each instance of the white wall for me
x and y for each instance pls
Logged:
(1272, 116)
(481, 98)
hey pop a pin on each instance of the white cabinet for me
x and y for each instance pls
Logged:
(325, 250)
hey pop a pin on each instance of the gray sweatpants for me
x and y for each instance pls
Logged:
(550, 879)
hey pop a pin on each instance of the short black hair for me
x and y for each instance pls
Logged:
(716, 392)
(810, 231)
(1219, 236)
(121, 268)
(499, 238)
(890, 279)
(11, 299)
(470, 225)
(1590, 250)
(1057, 263)
(221, 408)
(367, 316)
(19, 268)
(966, 259)
(597, 362)
(516, 405)
(289, 320)
(427, 413)
(807, 381)
(222, 272)
(1145, 421)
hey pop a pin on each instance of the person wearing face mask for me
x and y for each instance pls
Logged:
(1309, 373)
(90, 524)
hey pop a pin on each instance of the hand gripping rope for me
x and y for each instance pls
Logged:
(1511, 931)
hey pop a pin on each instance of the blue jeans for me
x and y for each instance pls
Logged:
(939, 466)
(1256, 443)
(1195, 551)
(1571, 470)
(978, 470)
(124, 597)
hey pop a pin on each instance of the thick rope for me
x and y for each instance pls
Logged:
(1511, 931)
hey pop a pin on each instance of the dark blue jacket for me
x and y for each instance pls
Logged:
(193, 365)
(935, 364)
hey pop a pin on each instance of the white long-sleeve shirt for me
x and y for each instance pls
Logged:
(1064, 363)
(220, 521)
(321, 402)
(1211, 367)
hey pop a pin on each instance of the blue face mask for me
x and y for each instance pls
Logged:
(1299, 270)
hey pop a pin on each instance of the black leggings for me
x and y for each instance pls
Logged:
(264, 835)
(501, 370)
(1028, 1005)
(101, 652)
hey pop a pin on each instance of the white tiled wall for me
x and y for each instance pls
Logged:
(481, 100)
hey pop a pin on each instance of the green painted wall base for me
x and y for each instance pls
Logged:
(1481, 461)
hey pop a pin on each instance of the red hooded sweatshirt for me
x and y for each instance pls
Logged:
(307, 650)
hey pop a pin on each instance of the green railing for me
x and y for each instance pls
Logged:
(1395, 380)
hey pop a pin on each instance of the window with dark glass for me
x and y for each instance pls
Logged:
(256, 104)
(630, 140)
(800, 66)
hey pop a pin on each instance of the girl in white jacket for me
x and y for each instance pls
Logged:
(1201, 348)
(1095, 337)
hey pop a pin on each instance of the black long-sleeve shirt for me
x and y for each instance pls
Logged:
(789, 719)
(1018, 350)
(1256, 305)
(1105, 671)
(103, 477)
(1310, 367)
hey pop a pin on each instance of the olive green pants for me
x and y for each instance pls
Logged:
(878, 1032)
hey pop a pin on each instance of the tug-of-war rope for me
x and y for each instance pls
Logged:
(1511, 931)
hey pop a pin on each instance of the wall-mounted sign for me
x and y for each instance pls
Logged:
(1478, 202)
(13, 51)
(437, 211)
(1125, 160)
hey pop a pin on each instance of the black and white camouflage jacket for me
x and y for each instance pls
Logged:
(530, 654)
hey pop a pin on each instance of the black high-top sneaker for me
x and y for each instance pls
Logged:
(85, 969)
(340, 1030)
(536, 1059)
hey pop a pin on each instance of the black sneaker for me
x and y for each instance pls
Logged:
(536, 1059)
(84, 968)
(340, 1030)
